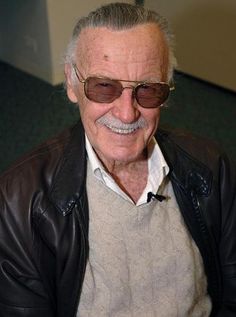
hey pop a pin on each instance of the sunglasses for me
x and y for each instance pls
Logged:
(105, 90)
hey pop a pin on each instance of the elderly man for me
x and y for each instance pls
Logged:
(114, 217)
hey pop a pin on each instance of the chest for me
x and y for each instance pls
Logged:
(142, 259)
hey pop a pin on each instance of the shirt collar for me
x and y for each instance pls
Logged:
(157, 170)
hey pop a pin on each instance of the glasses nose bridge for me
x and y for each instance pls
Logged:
(130, 87)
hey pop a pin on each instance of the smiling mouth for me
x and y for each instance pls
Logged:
(117, 126)
(121, 130)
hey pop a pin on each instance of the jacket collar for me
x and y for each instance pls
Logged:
(181, 151)
(69, 180)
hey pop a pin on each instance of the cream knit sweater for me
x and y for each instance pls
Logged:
(142, 260)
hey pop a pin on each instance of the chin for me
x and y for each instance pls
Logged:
(119, 153)
(125, 157)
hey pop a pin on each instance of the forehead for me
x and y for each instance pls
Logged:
(138, 44)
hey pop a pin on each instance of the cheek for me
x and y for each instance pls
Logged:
(90, 112)
(152, 117)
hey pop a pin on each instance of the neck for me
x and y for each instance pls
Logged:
(131, 177)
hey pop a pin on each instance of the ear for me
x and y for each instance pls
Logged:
(70, 87)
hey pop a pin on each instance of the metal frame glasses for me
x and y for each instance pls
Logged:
(106, 90)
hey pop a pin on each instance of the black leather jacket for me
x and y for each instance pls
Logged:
(44, 222)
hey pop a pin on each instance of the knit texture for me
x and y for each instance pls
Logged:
(142, 260)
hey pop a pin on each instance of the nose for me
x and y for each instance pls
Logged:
(126, 107)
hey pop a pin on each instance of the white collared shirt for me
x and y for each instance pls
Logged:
(157, 171)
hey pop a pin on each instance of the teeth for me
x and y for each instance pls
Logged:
(121, 131)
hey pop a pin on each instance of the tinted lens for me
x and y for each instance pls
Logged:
(102, 90)
(152, 95)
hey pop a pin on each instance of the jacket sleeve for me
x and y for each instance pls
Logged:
(227, 247)
(21, 289)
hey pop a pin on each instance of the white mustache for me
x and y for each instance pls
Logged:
(116, 124)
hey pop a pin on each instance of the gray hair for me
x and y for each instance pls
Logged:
(121, 16)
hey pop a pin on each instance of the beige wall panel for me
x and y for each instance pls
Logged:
(35, 33)
(205, 37)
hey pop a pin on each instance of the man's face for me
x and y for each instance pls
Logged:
(138, 54)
